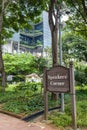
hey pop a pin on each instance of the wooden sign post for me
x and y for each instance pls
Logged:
(60, 79)
(73, 100)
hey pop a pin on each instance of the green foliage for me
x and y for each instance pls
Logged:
(15, 64)
(23, 64)
(60, 119)
(74, 47)
(29, 88)
(78, 16)
(18, 78)
(86, 71)
(48, 53)
(24, 98)
(40, 64)
(25, 11)
(65, 119)
(20, 90)
(23, 106)
(80, 77)
(6, 96)
(81, 93)
(80, 74)
(82, 113)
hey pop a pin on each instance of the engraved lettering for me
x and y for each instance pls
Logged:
(57, 83)
(57, 77)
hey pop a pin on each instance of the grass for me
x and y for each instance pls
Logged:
(65, 119)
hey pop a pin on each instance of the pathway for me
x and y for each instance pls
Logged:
(11, 123)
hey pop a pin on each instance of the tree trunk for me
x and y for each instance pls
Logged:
(53, 23)
(54, 56)
(2, 71)
(54, 47)
(1, 60)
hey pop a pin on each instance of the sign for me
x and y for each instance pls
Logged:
(58, 79)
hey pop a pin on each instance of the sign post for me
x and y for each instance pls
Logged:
(73, 101)
(45, 97)
(60, 79)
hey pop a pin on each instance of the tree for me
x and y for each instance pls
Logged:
(1, 61)
(79, 11)
(78, 16)
(77, 20)
(74, 47)
(53, 23)
(14, 15)
(54, 10)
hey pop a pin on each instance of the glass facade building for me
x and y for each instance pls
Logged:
(39, 35)
(31, 40)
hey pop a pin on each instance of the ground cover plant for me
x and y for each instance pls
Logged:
(24, 98)
(27, 98)
(65, 119)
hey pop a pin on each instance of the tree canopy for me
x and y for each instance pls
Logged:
(78, 16)
(17, 14)
(74, 47)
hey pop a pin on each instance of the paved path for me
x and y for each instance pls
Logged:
(11, 123)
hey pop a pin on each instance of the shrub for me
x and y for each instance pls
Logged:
(81, 74)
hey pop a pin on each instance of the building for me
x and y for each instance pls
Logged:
(39, 34)
(34, 40)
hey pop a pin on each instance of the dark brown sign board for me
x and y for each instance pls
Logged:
(60, 79)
